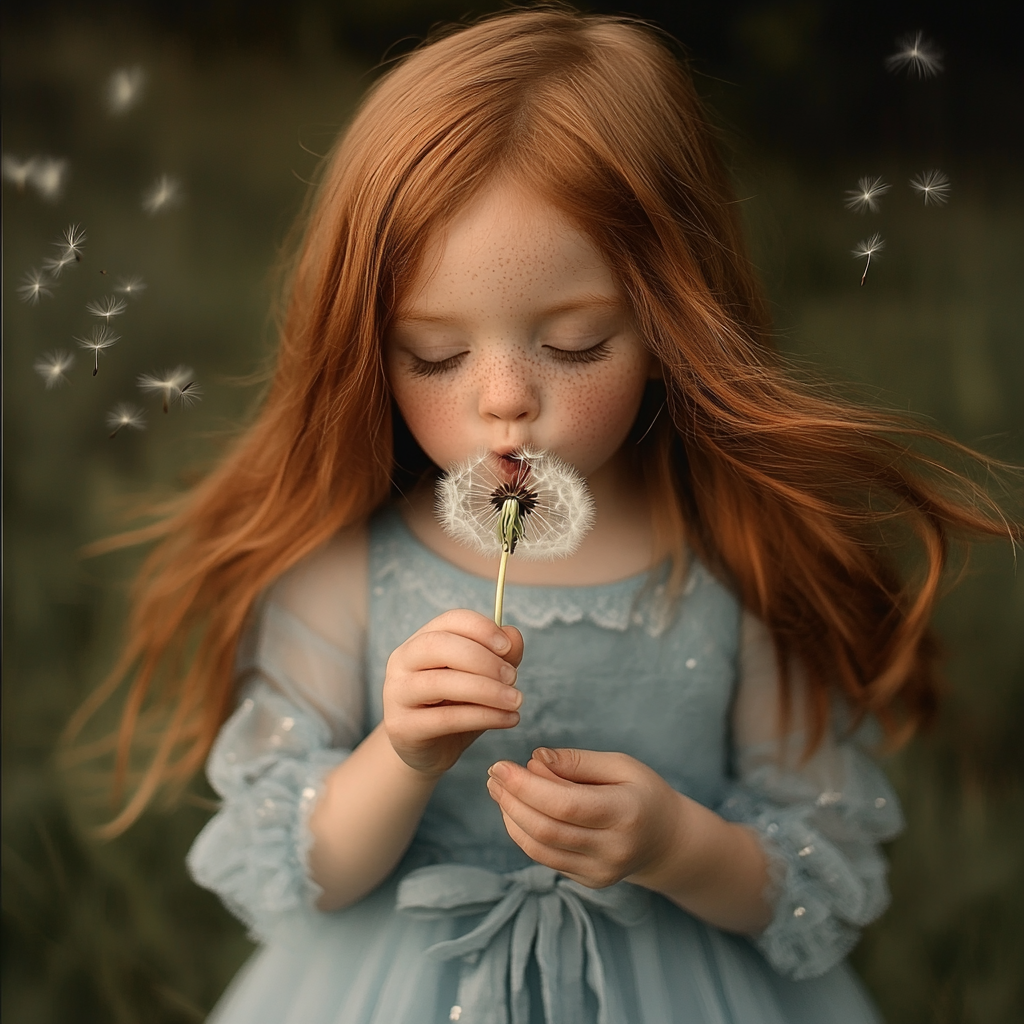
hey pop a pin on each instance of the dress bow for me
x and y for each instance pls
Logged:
(534, 909)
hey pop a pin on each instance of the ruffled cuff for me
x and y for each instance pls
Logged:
(270, 767)
(827, 877)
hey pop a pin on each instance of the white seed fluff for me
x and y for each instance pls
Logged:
(563, 515)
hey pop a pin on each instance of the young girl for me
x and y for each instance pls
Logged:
(646, 799)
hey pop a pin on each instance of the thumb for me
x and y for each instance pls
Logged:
(584, 766)
(515, 654)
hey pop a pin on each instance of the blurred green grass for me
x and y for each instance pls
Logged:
(117, 932)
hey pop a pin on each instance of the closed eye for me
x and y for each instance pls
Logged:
(594, 354)
(431, 368)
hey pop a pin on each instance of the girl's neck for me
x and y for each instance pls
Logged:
(620, 545)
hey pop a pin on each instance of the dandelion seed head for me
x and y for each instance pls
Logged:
(932, 186)
(164, 193)
(558, 510)
(107, 307)
(124, 414)
(124, 89)
(866, 195)
(131, 286)
(53, 368)
(916, 55)
(17, 171)
(34, 284)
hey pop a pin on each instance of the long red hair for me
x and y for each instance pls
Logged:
(793, 495)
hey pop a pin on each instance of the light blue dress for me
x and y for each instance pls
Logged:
(468, 928)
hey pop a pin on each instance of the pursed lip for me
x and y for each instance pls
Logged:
(508, 464)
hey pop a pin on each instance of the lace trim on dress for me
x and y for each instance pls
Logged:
(637, 601)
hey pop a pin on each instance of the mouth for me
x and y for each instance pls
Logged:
(511, 465)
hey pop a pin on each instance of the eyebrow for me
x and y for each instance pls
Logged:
(573, 305)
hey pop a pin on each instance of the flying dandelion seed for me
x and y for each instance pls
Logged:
(916, 55)
(124, 89)
(164, 193)
(168, 386)
(53, 368)
(70, 246)
(188, 394)
(73, 240)
(866, 195)
(18, 172)
(107, 308)
(100, 338)
(527, 502)
(47, 177)
(125, 414)
(56, 264)
(131, 286)
(34, 284)
(867, 249)
(932, 186)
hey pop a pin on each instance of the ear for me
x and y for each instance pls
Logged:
(655, 371)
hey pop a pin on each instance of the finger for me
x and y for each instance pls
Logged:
(515, 655)
(452, 719)
(541, 769)
(546, 831)
(573, 865)
(593, 767)
(575, 804)
(473, 626)
(432, 686)
(452, 650)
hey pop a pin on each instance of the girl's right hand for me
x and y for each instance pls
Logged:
(450, 681)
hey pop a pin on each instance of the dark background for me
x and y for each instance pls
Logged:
(241, 97)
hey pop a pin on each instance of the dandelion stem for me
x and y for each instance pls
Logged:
(510, 531)
(499, 596)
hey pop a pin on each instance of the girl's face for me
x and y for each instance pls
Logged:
(514, 332)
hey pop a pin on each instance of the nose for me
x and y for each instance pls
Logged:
(508, 391)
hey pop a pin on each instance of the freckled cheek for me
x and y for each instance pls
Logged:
(433, 419)
(596, 418)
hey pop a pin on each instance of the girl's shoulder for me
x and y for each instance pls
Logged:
(327, 589)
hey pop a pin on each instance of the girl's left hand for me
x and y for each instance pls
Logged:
(594, 817)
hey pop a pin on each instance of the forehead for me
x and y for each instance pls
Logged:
(506, 248)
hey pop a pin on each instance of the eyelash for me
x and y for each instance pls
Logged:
(429, 368)
(594, 354)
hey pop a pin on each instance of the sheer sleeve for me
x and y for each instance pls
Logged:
(300, 669)
(820, 820)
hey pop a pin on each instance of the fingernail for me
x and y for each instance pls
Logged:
(498, 771)
(501, 643)
(545, 755)
(507, 673)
